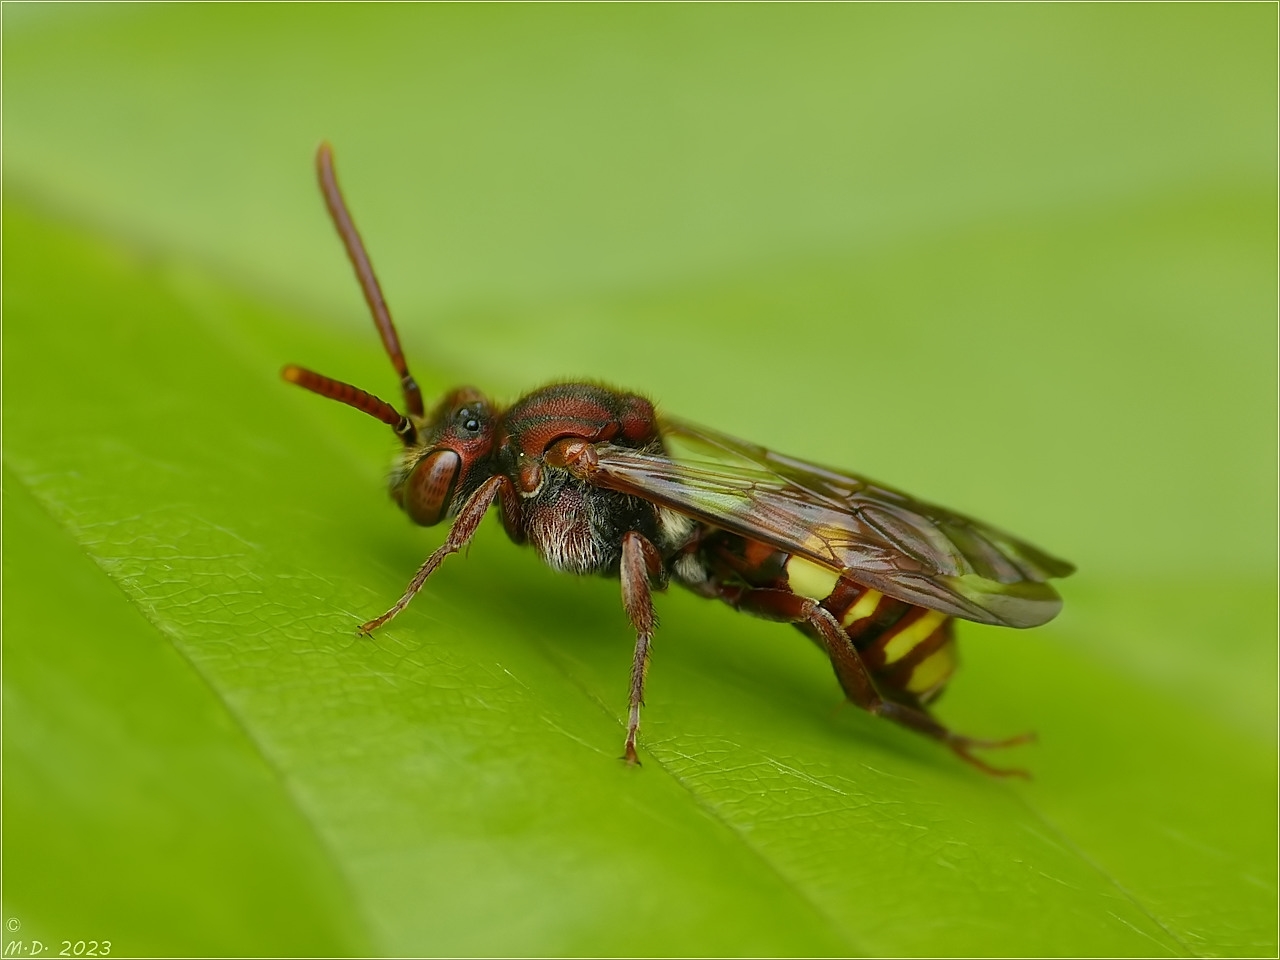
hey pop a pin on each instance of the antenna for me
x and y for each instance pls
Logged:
(372, 294)
(352, 397)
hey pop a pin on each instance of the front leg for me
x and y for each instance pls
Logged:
(460, 534)
(640, 561)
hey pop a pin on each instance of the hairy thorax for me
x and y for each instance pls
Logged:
(578, 528)
(560, 524)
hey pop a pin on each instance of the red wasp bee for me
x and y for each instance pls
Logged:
(598, 483)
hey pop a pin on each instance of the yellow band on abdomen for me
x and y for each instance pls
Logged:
(906, 639)
(932, 671)
(864, 608)
(808, 579)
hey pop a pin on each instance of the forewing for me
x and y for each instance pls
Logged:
(875, 535)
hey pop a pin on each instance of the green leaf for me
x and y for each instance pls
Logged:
(1016, 260)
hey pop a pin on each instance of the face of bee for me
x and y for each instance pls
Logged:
(432, 477)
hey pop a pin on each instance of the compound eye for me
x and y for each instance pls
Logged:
(429, 488)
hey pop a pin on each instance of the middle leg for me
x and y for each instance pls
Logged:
(640, 562)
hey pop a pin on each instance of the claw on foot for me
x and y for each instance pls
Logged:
(997, 744)
(963, 745)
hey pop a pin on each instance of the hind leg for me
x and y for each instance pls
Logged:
(854, 677)
(858, 685)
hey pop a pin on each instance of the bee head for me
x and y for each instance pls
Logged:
(432, 477)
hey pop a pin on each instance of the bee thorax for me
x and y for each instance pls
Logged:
(563, 534)
(578, 528)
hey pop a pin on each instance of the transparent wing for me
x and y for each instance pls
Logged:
(877, 536)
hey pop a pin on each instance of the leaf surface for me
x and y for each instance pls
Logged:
(202, 757)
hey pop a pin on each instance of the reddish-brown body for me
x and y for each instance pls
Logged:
(575, 526)
(582, 473)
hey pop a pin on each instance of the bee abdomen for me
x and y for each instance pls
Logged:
(907, 648)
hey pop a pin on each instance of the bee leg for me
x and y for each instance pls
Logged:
(858, 686)
(962, 745)
(640, 562)
(855, 679)
(460, 534)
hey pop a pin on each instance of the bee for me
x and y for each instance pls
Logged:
(597, 482)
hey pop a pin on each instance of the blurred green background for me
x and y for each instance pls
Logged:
(1020, 260)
